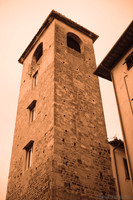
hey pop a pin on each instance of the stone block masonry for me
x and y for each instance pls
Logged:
(70, 153)
(82, 164)
(35, 182)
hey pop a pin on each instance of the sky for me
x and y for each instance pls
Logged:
(20, 21)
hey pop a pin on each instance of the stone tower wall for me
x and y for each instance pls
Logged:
(36, 182)
(71, 157)
(82, 167)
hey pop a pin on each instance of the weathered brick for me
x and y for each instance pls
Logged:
(70, 151)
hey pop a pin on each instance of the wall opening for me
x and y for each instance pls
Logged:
(37, 54)
(34, 81)
(73, 41)
(126, 169)
(31, 108)
(28, 158)
(129, 61)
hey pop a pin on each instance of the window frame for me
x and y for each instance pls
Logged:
(31, 109)
(127, 176)
(37, 54)
(28, 155)
(129, 61)
(28, 158)
(32, 115)
(71, 37)
(34, 79)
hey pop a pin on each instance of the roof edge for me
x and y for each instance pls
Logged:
(104, 71)
(54, 14)
(117, 143)
(105, 75)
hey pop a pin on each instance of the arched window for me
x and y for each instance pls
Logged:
(37, 54)
(73, 41)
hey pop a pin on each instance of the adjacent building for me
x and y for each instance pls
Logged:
(60, 149)
(120, 169)
(117, 67)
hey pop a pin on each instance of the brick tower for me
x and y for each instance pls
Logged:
(60, 149)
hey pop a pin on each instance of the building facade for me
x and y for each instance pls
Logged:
(117, 67)
(120, 169)
(60, 148)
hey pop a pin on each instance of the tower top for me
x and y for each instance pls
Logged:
(55, 15)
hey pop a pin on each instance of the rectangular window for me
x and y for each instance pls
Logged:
(129, 61)
(28, 157)
(34, 83)
(31, 108)
(126, 169)
(32, 114)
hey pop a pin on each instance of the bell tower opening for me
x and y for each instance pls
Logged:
(73, 41)
(37, 54)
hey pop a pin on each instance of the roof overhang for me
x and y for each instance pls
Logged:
(55, 15)
(117, 143)
(121, 47)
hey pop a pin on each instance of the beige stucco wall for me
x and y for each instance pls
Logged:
(121, 181)
(123, 85)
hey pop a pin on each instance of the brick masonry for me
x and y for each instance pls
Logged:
(71, 158)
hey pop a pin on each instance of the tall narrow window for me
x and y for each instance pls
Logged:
(32, 114)
(28, 158)
(129, 60)
(29, 151)
(126, 169)
(73, 42)
(31, 108)
(34, 83)
(37, 54)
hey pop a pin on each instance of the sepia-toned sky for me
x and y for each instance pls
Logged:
(19, 22)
